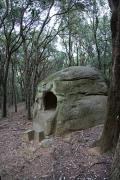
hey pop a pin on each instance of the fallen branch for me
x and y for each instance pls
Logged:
(102, 162)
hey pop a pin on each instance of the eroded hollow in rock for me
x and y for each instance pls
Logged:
(50, 101)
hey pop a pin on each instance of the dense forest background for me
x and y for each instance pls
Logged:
(38, 38)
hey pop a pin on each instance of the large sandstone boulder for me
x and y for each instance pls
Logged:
(72, 99)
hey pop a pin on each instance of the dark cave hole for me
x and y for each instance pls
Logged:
(50, 101)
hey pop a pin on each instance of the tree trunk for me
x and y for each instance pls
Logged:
(29, 105)
(95, 28)
(111, 130)
(15, 100)
(70, 49)
(26, 69)
(115, 175)
(4, 108)
(77, 57)
(14, 88)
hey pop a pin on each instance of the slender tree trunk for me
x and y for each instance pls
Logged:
(14, 88)
(0, 96)
(70, 56)
(111, 130)
(27, 83)
(29, 108)
(4, 108)
(29, 104)
(25, 70)
(98, 51)
(95, 28)
(77, 56)
(70, 49)
(1, 88)
(34, 93)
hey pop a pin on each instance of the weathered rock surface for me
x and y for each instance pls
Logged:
(46, 143)
(72, 99)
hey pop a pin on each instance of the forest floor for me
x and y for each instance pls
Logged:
(66, 158)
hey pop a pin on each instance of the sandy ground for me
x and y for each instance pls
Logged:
(66, 158)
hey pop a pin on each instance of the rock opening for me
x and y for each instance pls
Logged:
(50, 101)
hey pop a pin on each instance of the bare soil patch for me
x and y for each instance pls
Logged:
(67, 158)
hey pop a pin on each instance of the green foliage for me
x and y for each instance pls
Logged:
(87, 37)
(51, 35)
